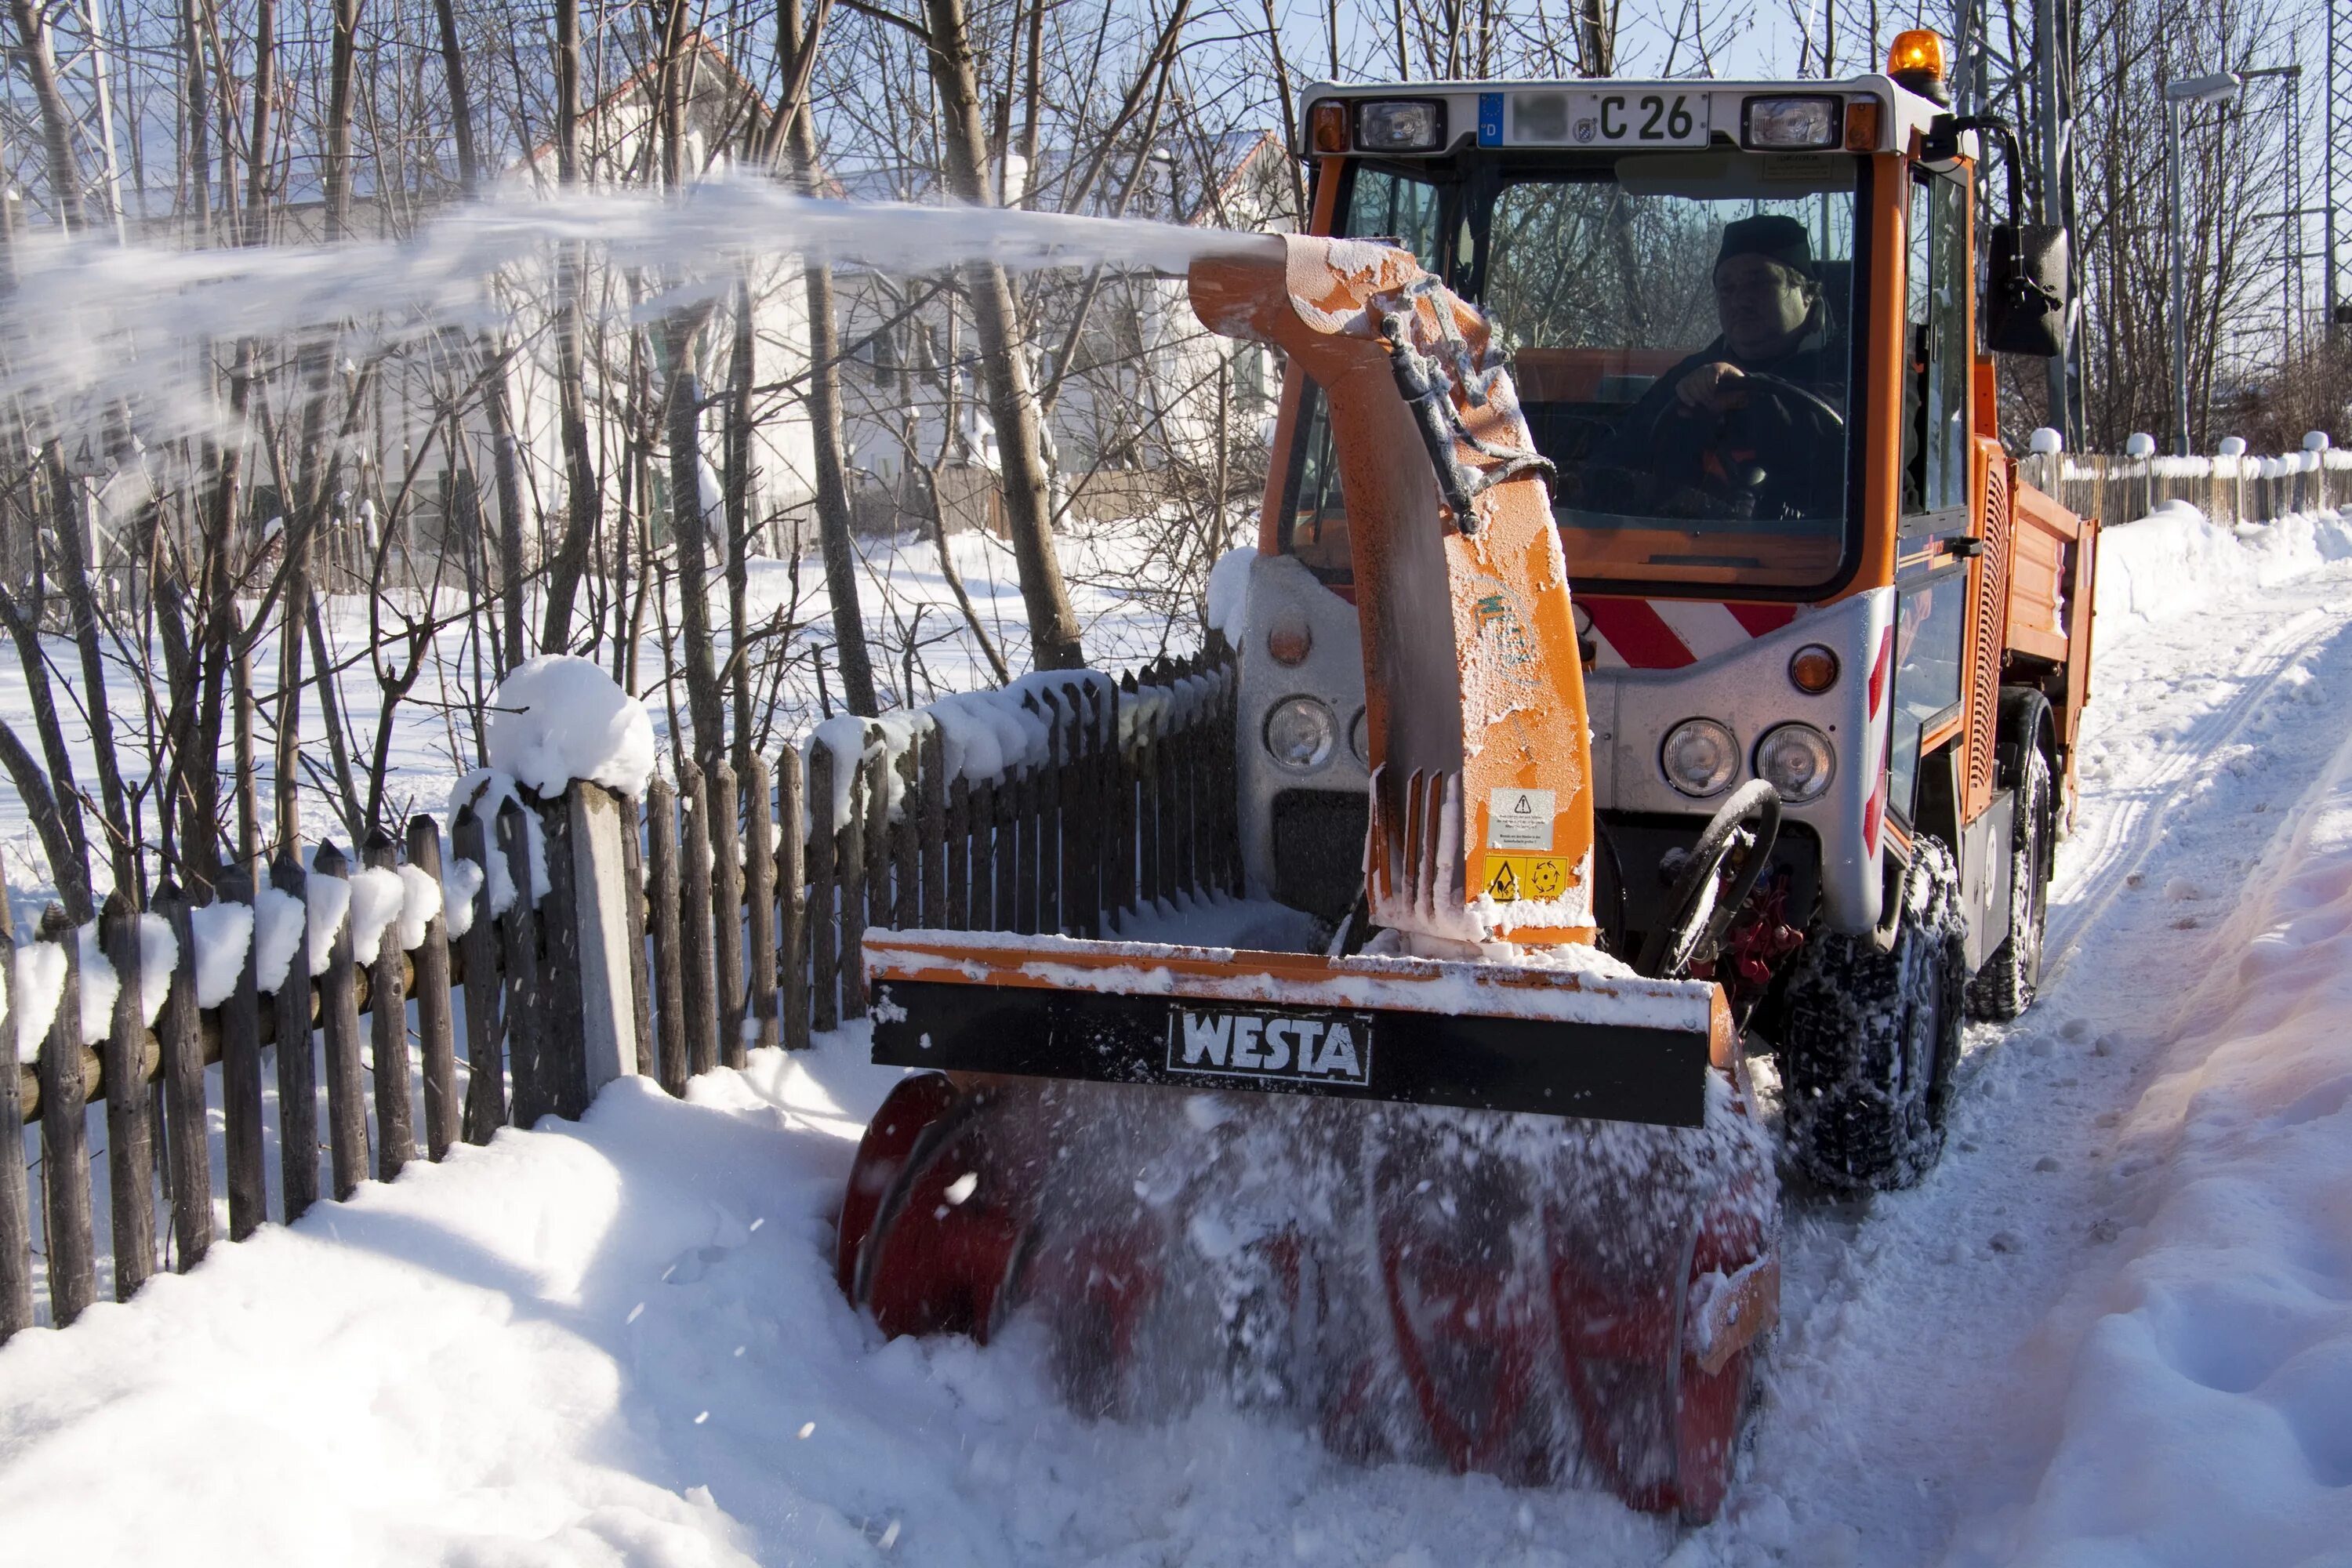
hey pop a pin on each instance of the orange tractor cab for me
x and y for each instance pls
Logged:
(1650, 658)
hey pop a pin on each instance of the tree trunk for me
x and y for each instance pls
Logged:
(851, 658)
(265, 63)
(583, 487)
(56, 120)
(703, 703)
(737, 482)
(342, 67)
(1012, 400)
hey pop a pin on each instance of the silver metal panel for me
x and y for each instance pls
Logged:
(1748, 688)
(1333, 670)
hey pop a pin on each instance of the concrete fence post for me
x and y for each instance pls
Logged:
(599, 822)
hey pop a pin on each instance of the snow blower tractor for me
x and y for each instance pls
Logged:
(1483, 1182)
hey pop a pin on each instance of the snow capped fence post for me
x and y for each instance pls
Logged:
(700, 999)
(297, 1065)
(669, 967)
(726, 906)
(1124, 786)
(557, 1079)
(525, 1009)
(65, 1141)
(338, 1024)
(435, 1031)
(932, 773)
(1048, 856)
(129, 1151)
(873, 873)
(877, 912)
(597, 936)
(188, 1145)
(485, 1095)
(955, 910)
(906, 846)
(15, 1186)
(823, 895)
(792, 926)
(760, 900)
(1004, 853)
(634, 821)
(243, 1134)
(395, 1123)
(1026, 814)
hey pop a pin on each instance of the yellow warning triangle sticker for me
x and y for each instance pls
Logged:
(1503, 885)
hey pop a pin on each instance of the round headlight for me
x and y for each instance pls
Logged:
(1359, 737)
(1796, 760)
(1701, 757)
(1300, 734)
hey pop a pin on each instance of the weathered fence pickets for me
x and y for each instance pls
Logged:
(751, 894)
(2229, 490)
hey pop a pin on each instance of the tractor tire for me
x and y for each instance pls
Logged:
(2004, 987)
(1870, 1038)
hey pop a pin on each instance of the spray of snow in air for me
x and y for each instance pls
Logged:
(114, 319)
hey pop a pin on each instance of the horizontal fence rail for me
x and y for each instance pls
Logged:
(724, 912)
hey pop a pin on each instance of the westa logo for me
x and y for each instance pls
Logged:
(1307, 1047)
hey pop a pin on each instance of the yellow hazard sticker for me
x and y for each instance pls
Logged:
(1510, 878)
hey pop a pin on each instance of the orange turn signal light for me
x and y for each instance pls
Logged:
(1813, 669)
(1327, 125)
(1862, 125)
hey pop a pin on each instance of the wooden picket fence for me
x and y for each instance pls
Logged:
(2117, 490)
(747, 934)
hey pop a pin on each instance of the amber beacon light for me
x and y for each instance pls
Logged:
(1917, 61)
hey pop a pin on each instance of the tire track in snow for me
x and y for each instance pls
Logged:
(1892, 1391)
(2136, 826)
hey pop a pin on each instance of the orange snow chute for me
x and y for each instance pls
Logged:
(1482, 769)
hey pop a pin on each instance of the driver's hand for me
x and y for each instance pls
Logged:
(1714, 388)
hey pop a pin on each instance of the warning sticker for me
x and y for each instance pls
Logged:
(1510, 878)
(1519, 819)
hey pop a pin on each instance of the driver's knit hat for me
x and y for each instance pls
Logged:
(1772, 235)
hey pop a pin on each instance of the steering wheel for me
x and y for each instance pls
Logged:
(1712, 451)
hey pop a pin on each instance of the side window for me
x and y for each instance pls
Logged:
(1929, 627)
(1935, 350)
(1381, 206)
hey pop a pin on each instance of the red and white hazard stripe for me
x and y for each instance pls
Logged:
(1667, 634)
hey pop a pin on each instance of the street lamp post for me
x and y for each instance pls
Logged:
(2218, 87)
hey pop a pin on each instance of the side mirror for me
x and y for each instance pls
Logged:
(2025, 290)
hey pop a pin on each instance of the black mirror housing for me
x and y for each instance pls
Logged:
(2025, 290)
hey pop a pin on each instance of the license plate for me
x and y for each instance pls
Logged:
(1630, 117)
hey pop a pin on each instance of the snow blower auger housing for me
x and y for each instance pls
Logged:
(1478, 1194)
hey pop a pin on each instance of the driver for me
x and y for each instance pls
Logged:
(1708, 426)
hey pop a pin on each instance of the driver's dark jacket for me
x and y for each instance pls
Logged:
(1801, 455)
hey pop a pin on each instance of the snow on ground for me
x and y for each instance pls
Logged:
(2112, 1328)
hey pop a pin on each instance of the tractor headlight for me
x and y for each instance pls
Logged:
(1796, 760)
(1700, 757)
(1300, 734)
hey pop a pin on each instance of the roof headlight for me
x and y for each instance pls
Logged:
(1807, 124)
(1400, 125)
(1700, 757)
(1796, 760)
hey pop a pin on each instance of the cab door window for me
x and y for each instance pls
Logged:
(1936, 368)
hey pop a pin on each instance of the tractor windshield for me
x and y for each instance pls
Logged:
(1680, 326)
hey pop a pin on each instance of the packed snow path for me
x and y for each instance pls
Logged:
(619, 1342)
